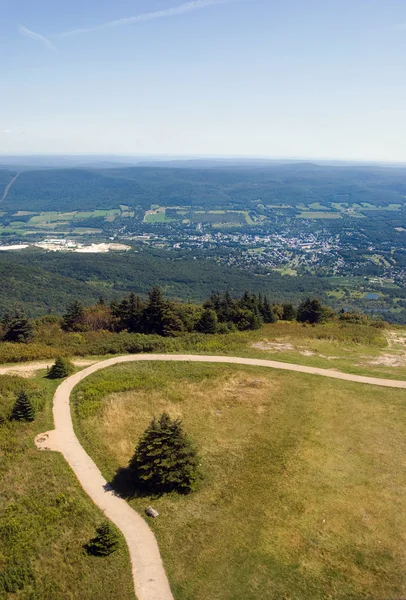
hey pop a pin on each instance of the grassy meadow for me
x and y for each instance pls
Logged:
(303, 489)
(45, 517)
(352, 348)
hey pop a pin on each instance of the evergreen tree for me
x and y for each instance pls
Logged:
(227, 308)
(213, 302)
(105, 542)
(310, 311)
(246, 320)
(159, 316)
(208, 322)
(135, 313)
(154, 312)
(17, 328)
(165, 459)
(60, 369)
(24, 409)
(172, 324)
(289, 312)
(267, 312)
(73, 319)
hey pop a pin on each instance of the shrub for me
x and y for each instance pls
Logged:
(62, 368)
(14, 577)
(105, 542)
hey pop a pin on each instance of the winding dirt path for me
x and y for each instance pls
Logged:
(149, 576)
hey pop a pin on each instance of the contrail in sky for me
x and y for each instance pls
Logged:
(36, 36)
(182, 9)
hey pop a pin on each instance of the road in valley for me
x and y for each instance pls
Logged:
(8, 188)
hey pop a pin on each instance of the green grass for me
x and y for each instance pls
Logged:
(302, 496)
(45, 517)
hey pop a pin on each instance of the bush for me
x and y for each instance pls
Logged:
(14, 577)
(105, 542)
(62, 368)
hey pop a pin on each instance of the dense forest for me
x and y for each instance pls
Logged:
(42, 282)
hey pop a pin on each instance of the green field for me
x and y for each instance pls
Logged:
(217, 218)
(157, 216)
(303, 489)
(66, 222)
(318, 215)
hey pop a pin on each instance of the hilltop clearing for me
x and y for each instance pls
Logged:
(302, 478)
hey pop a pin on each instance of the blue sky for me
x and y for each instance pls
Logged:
(314, 79)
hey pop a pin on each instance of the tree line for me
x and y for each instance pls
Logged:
(221, 313)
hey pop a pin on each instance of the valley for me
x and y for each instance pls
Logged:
(340, 231)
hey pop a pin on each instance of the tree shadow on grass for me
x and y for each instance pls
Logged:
(126, 484)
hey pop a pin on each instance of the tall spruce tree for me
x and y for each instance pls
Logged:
(289, 312)
(23, 409)
(154, 312)
(73, 319)
(165, 459)
(267, 312)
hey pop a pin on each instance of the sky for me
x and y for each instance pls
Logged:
(261, 78)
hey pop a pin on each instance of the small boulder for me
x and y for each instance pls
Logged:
(151, 512)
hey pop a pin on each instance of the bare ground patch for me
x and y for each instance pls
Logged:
(288, 347)
(387, 360)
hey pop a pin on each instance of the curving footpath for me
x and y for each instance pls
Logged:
(149, 576)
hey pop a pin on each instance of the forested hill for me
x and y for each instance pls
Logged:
(222, 186)
(42, 282)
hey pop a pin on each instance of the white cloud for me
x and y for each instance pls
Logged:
(182, 9)
(36, 36)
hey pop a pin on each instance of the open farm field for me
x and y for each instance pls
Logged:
(302, 494)
(318, 215)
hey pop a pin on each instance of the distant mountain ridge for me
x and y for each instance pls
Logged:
(222, 186)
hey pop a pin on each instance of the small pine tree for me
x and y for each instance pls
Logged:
(23, 409)
(165, 459)
(105, 542)
(60, 369)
